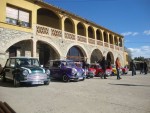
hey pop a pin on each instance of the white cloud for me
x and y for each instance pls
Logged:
(130, 33)
(147, 32)
(143, 51)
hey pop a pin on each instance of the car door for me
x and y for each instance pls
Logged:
(56, 69)
(9, 68)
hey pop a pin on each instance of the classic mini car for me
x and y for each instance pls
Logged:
(89, 72)
(97, 68)
(25, 70)
(124, 70)
(108, 71)
(66, 70)
(114, 71)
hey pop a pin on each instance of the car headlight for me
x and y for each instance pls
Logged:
(25, 72)
(47, 72)
(83, 70)
(74, 71)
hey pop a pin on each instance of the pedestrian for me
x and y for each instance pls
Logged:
(118, 66)
(84, 63)
(133, 67)
(103, 64)
(145, 67)
(141, 67)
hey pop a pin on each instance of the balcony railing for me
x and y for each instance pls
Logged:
(100, 43)
(106, 44)
(56, 33)
(91, 41)
(111, 46)
(81, 39)
(70, 36)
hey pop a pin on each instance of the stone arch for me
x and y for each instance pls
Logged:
(46, 52)
(99, 35)
(81, 30)
(90, 32)
(14, 41)
(96, 55)
(80, 47)
(51, 44)
(69, 25)
(48, 18)
(110, 57)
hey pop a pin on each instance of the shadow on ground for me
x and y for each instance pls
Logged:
(129, 85)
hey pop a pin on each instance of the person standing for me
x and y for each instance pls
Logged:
(145, 67)
(133, 68)
(141, 67)
(118, 65)
(103, 65)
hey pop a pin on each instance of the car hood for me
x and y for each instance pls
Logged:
(34, 69)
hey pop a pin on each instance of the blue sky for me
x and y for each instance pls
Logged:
(130, 18)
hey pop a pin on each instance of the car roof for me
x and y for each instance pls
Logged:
(94, 64)
(22, 57)
(61, 60)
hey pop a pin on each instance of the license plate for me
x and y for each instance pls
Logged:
(38, 82)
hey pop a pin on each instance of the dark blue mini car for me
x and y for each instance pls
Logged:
(25, 70)
(66, 70)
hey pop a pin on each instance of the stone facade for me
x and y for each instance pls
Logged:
(51, 32)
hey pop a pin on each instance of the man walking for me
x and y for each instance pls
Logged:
(103, 65)
(133, 68)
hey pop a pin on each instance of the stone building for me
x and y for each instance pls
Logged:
(34, 28)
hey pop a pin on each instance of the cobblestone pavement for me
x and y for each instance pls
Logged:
(131, 94)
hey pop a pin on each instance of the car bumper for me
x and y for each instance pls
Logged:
(36, 79)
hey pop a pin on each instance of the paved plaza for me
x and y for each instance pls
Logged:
(131, 94)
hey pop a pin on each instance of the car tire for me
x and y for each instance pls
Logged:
(16, 82)
(47, 83)
(3, 77)
(66, 78)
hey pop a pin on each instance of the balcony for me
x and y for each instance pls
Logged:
(56, 33)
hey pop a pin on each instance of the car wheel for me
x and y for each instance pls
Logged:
(47, 83)
(100, 75)
(16, 82)
(3, 77)
(66, 78)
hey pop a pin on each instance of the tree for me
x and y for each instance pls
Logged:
(129, 54)
(139, 58)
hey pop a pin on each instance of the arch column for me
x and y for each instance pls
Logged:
(34, 46)
(117, 41)
(102, 31)
(108, 39)
(86, 33)
(95, 36)
(113, 39)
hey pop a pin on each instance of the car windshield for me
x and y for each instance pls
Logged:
(27, 62)
(70, 63)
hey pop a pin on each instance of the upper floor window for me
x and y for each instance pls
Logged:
(17, 16)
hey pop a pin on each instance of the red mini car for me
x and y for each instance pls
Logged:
(98, 69)
(124, 70)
